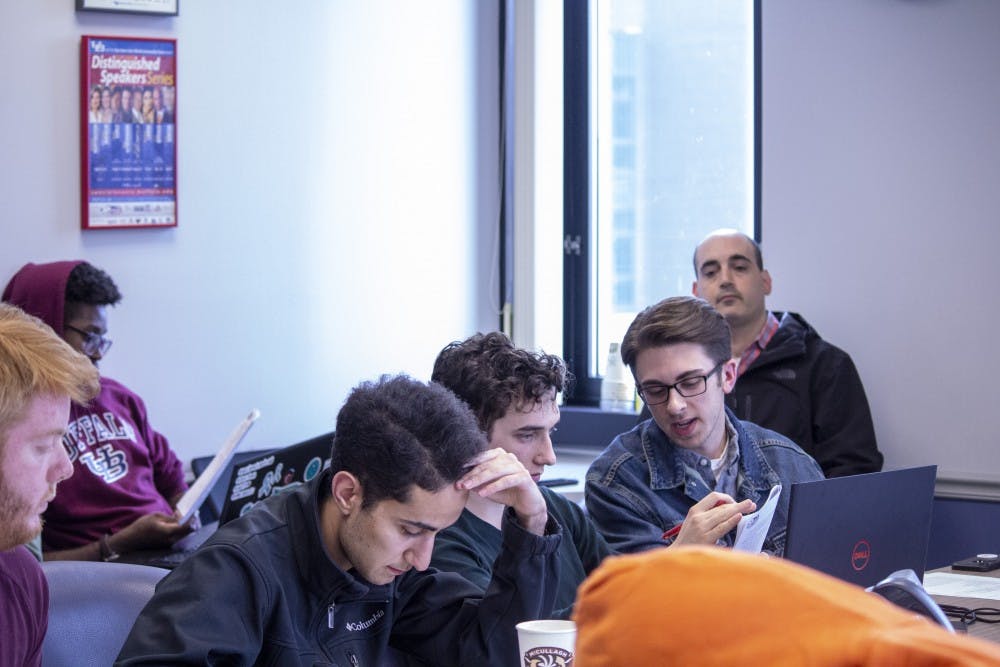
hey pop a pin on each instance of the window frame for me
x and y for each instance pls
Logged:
(578, 196)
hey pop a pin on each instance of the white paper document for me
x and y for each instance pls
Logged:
(962, 585)
(195, 496)
(752, 529)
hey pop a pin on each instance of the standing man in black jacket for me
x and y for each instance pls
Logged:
(789, 379)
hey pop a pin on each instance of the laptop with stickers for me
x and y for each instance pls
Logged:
(255, 479)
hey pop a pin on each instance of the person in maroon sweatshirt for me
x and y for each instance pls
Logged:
(39, 376)
(126, 478)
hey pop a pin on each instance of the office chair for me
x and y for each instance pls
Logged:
(903, 588)
(92, 606)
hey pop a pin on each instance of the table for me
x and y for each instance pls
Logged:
(989, 631)
(571, 463)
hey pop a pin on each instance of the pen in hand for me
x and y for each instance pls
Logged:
(675, 531)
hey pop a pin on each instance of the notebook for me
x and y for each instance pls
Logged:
(195, 496)
(863, 527)
(255, 479)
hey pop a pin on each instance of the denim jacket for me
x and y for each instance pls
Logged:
(638, 487)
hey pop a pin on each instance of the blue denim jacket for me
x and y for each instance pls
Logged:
(638, 487)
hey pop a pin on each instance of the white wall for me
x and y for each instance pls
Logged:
(881, 187)
(337, 187)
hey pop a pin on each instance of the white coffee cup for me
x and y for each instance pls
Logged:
(545, 643)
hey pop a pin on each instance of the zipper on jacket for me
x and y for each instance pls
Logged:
(354, 659)
(329, 616)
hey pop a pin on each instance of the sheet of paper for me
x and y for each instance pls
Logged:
(752, 529)
(962, 585)
(195, 496)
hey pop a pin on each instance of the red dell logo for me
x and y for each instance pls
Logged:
(860, 555)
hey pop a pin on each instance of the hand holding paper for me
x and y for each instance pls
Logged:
(752, 529)
(709, 519)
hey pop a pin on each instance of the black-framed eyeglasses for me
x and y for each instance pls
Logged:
(92, 343)
(655, 393)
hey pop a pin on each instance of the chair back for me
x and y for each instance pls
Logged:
(92, 607)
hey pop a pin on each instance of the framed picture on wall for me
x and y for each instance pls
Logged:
(128, 132)
(159, 7)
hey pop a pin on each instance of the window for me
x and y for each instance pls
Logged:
(660, 131)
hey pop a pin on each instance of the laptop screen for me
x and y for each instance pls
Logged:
(863, 527)
(281, 470)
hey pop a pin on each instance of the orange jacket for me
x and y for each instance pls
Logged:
(713, 606)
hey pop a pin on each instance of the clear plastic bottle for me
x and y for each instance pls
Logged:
(617, 387)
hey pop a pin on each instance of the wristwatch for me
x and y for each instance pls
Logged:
(107, 553)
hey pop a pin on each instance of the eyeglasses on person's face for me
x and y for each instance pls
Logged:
(93, 343)
(654, 393)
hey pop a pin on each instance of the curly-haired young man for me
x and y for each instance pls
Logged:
(512, 392)
(335, 571)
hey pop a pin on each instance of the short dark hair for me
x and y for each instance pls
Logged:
(89, 285)
(679, 319)
(490, 374)
(758, 257)
(397, 432)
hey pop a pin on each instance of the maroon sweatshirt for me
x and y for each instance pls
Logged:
(122, 468)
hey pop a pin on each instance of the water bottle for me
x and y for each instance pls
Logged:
(617, 387)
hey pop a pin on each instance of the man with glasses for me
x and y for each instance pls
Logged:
(687, 475)
(126, 478)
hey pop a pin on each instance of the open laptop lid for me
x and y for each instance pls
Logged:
(195, 496)
(255, 479)
(863, 527)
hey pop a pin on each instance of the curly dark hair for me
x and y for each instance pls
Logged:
(490, 374)
(397, 432)
(89, 285)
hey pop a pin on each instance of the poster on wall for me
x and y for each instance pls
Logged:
(128, 132)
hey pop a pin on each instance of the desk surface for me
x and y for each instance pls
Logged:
(571, 464)
(990, 631)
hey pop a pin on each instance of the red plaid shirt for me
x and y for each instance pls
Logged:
(755, 348)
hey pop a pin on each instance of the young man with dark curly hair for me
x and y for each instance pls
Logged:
(513, 393)
(127, 479)
(335, 571)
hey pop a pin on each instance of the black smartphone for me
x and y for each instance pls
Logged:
(557, 481)
(978, 563)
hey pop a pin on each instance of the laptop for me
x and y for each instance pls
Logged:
(275, 472)
(193, 498)
(863, 527)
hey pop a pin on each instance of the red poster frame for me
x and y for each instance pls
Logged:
(128, 157)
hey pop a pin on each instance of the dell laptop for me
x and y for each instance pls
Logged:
(863, 527)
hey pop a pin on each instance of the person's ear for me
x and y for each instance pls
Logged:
(728, 374)
(346, 492)
(766, 277)
(694, 289)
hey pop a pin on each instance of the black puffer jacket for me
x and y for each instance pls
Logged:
(809, 391)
